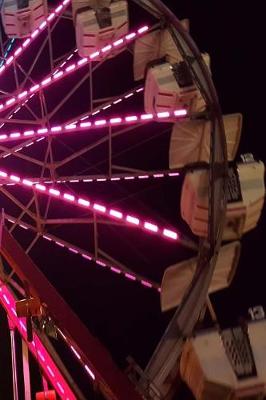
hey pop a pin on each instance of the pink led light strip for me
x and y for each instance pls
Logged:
(98, 110)
(58, 10)
(94, 124)
(129, 275)
(107, 105)
(146, 226)
(50, 79)
(36, 347)
(22, 105)
(113, 178)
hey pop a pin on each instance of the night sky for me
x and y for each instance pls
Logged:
(125, 316)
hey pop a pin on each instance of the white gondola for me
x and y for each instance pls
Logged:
(97, 23)
(169, 87)
(21, 17)
(153, 46)
(214, 368)
(246, 193)
(178, 277)
(190, 140)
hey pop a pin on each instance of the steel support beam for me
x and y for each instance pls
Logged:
(113, 384)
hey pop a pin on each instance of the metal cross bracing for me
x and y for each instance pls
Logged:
(64, 160)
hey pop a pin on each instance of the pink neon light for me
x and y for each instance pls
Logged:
(73, 67)
(58, 74)
(146, 117)
(116, 214)
(34, 34)
(130, 36)
(54, 192)
(116, 270)
(99, 207)
(36, 347)
(75, 352)
(19, 50)
(151, 227)
(118, 42)
(173, 174)
(107, 48)
(70, 127)
(131, 118)
(132, 220)
(115, 120)
(56, 128)
(23, 94)
(68, 196)
(89, 372)
(131, 277)
(83, 202)
(14, 178)
(170, 234)
(113, 178)
(145, 283)
(15, 135)
(129, 95)
(10, 101)
(78, 251)
(73, 250)
(34, 88)
(86, 126)
(143, 29)
(26, 43)
(41, 131)
(164, 114)
(28, 133)
(101, 263)
(47, 238)
(143, 176)
(180, 113)
(117, 101)
(40, 187)
(100, 122)
(46, 81)
(59, 243)
(27, 182)
(95, 206)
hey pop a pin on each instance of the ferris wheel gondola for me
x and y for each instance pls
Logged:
(176, 91)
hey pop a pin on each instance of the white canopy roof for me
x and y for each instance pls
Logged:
(177, 278)
(190, 140)
(154, 45)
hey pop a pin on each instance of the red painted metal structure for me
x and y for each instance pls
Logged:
(113, 384)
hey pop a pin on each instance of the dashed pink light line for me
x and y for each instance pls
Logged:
(36, 347)
(22, 105)
(108, 104)
(113, 178)
(20, 50)
(90, 257)
(98, 110)
(52, 78)
(131, 220)
(93, 124)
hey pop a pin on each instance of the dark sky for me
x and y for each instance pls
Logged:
(125, 317)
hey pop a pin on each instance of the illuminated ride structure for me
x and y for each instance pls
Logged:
(62, 111)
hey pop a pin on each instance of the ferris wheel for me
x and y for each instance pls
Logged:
(101, 100)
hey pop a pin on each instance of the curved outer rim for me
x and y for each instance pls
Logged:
(192, 303)
(168, 351)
